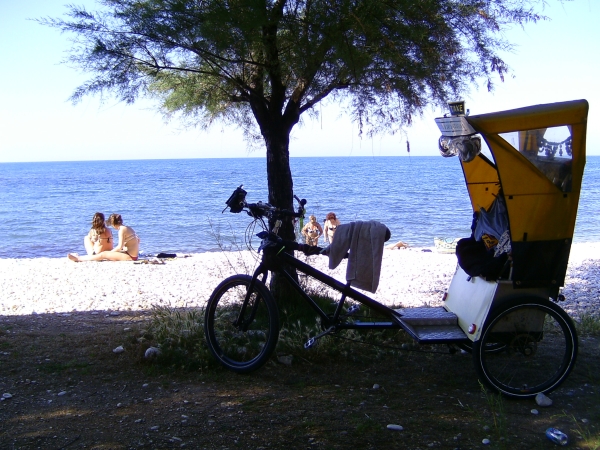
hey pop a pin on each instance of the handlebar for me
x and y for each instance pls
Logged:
(237, 203)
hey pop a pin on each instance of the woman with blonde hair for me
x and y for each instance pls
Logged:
(331, 224)
(126, 250)
(312, 231)
(99, 238)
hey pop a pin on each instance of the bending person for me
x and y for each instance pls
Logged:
(126, 250)
(99, 238)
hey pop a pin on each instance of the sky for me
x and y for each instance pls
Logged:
(554, 61)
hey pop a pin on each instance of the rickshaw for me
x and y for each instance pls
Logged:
(502, 302)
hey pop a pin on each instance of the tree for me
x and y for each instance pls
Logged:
(267, 62)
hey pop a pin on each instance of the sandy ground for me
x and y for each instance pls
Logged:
(409, 277)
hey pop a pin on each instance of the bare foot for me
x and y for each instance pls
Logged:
(73, 257)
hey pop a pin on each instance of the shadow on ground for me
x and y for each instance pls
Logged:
(69, 390)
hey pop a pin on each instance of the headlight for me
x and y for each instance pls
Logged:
(466, 147)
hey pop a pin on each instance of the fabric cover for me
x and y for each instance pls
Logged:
(364, 242)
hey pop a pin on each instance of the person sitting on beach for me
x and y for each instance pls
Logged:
(312, 231)
(126, 250)
(99, 238)
(331, 224)
(398, 245)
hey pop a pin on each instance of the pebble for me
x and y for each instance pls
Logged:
(119, 349)
(285, 360)
(375, 386)
(535, 412)
(485, 441)
(6, 395)
(152, 352)
(394, 427)
(127, 286)
(543, 400)
(61, 393)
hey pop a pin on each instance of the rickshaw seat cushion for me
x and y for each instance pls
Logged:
(474, 258)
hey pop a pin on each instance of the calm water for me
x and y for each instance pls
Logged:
(175, 205)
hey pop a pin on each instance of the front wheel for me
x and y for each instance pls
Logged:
(536, 347)
(241, 330)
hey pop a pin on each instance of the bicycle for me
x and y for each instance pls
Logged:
(522, 346)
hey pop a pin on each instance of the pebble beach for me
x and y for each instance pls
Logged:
(409, 277)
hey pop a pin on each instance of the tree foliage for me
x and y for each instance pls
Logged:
(266, 62)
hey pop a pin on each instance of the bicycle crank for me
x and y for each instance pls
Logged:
(313, 340)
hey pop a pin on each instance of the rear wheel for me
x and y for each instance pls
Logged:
(535, 347)
(242, 334)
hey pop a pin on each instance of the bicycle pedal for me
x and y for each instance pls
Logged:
(353, 309)
(310, 343)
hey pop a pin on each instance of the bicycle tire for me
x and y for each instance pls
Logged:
(537, 348)
(247, 347)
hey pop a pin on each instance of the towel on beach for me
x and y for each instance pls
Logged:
(364, 242)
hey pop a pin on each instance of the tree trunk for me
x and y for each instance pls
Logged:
(279, 176)
(281, 194)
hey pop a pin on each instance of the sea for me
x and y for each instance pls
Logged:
(177, 206)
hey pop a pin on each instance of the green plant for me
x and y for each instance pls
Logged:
(233, 251)
(300, 323)
(588, 440)
(495, 404)
(588, 324)
(180, 336)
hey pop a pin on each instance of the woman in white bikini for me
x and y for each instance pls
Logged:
(126, 250)
(331, 224)
(100, 238)
(312, 231)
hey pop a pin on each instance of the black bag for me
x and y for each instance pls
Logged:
(477, 261)
(237, 200)
(166, 255)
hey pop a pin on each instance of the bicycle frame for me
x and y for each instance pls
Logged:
(331, 322)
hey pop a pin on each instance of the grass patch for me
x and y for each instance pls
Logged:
(365, 425)
(179, 334)
(588, 324)
(495, 403)
(56, 367)
(587, 438)
(301, 324)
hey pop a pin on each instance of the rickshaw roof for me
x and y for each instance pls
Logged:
(531, 117)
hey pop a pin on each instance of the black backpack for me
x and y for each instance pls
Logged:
(477, 261)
